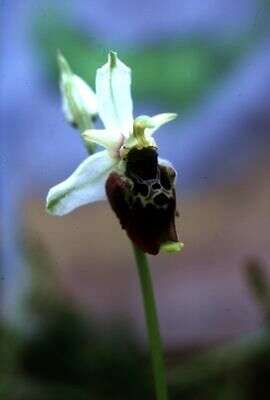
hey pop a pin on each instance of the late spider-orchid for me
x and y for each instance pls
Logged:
(139, 186)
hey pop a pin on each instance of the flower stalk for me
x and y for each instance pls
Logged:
(151, 319)
(139, 185)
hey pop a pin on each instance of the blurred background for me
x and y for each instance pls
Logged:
(72, 323)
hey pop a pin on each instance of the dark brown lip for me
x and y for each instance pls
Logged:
(146, 208)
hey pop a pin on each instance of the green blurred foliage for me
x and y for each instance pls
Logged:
(65, 357)
(238, 371)
(174, 71)
(260, 286)
(62, 355)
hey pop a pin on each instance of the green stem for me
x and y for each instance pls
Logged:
(152, 324)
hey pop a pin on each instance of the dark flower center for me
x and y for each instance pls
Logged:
(142, 163)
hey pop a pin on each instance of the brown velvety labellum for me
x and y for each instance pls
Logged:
(144, 200)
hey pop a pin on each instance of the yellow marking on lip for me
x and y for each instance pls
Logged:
(172, 247)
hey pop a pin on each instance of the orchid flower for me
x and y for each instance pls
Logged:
(139, 186)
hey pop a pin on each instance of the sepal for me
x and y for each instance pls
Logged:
(79, 101)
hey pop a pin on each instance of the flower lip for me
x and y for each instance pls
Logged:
(142, 163)
(144, 203)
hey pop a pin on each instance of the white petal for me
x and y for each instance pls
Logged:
(85, 185)
(84, 95)
(159, 120)
(78, 99)
(66, 108)
(113, 82)
(111, 140)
